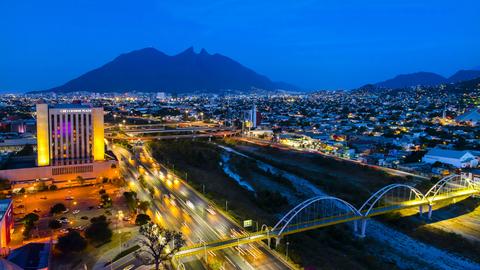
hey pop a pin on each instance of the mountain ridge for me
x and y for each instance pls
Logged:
(151, 70)
(425, 79)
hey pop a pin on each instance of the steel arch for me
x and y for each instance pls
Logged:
(434, 191)
(370, 202)
(287, 218)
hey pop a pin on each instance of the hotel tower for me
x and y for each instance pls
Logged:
(69, 134)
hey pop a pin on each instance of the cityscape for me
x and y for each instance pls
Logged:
(122, 148)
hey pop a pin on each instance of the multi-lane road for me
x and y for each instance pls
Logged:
(175, 205)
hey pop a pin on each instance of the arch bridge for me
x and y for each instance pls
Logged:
(323, 211)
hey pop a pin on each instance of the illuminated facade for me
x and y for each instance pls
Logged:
(69, 134)
(6, 224)
(70, 144)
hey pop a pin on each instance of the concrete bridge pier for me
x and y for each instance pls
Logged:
(277, 241)
(363, 228)
(429, 211)
(355, 226)
(420, 210)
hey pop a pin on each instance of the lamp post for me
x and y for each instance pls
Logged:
(120, 218)
(286, 253)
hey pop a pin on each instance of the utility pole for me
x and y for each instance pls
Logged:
(226, 206)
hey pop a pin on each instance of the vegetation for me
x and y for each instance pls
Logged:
(331, 175)
(417, 227)
(5, 184)
(58, 208)
(142, 219)
(200, 161)
(105, 200)
(29, 222)
(80, 180)
(156, 240)
(54, 224)
(272, 201)
(131, 200)
(98, 231)
(124, 253)
(143, 205)
(71, 242)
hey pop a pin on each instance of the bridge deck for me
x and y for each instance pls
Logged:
(315, 224)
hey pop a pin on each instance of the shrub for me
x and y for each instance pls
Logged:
(71, 242)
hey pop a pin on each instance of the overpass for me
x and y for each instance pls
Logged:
(323, 211)
(175, 137)
(159, 132)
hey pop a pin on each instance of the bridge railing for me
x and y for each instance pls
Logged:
(327, 210)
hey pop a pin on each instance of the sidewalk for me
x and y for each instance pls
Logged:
(111, 253)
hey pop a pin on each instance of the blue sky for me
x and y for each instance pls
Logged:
(313, 44)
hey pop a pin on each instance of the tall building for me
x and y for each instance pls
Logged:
(69, 134)
(251, 118)
(70, 144)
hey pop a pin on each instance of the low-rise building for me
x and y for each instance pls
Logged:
(458, 159)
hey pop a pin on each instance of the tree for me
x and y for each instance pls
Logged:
(5, 184)
(29, 221)
(155, 239)
(53, 187)
(42, 186)
(106, 201)
(30, 218)
(71, 242)
(131, 198)
(80, 180)
(143, 205)
(98, 230)
(142, 219)
(54, 224)
(58, 208)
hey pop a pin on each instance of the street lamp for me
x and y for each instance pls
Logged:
(288, 243)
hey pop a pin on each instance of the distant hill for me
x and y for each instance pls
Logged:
(150, 70)
(425, 79)
(467, 85)
(464, 75)
(413, 79)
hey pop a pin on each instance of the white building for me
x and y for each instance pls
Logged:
(471, 116)
(458, 159)
(250, 117)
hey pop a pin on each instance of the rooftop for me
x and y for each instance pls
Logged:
(31, 256)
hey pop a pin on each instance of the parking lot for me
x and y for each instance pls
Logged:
(82, 204)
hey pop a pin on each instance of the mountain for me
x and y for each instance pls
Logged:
(464, 75)
(412, 79)
(150, 70)
(426, 79)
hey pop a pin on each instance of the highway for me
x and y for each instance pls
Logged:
(175, 205)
